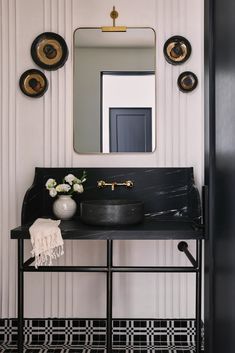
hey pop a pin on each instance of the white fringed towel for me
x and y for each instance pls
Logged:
(46, 240)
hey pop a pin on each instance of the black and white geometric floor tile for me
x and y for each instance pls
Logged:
(89, 336)
(82, 349)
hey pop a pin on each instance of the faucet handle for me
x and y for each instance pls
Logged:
(129, 184)
(101, 183)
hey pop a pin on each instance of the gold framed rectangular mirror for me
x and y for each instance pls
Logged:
(114, 90)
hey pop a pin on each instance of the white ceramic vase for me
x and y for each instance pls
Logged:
(64, 207)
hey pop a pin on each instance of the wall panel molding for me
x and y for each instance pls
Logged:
(8, 192)
(39, 132)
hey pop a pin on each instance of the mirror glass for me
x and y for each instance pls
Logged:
(114, 90)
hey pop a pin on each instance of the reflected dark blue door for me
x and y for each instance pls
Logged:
(130, 129)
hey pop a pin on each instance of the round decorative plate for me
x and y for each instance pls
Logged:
(33, 83)
(187, 81)
(49, 51)
(177, 50)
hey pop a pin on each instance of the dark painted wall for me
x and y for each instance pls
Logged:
(220, 175)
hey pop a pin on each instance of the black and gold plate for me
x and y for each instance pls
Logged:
(33, 83)
(49, 51)
(187, 81)
(177, 50)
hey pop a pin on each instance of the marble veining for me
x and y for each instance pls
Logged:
(166, 192)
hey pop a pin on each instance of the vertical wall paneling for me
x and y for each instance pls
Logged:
(18, 200)
(4, 157)
(47, 278)
(47, 97)
(55, 278)
(68, 136)
(160, 123)
(8, 156)
(12, 150)
(68, 111)
(60, 142)
(39, 132)
(1, 153)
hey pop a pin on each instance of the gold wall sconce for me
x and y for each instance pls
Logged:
(114, 15)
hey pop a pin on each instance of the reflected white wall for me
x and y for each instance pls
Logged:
(135, 91)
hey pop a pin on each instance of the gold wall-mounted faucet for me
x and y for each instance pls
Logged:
(103, 184)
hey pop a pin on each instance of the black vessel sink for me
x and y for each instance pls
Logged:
(111, 212)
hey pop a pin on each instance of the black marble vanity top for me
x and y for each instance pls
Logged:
(149, 229)
(172, 204)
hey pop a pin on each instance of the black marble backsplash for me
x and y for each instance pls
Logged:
(167, 193)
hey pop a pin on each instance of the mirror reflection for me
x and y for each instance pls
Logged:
(114, 90)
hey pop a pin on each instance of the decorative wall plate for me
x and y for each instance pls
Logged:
(49, 51)
(187, 81)
(33, 83)
(177, 50)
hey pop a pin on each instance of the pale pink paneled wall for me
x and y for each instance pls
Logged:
(38, 132)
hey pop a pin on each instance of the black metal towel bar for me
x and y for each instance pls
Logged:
(183, 246)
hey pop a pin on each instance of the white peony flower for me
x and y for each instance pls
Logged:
(78, 188)
(69, 178)
(53, 192)
(51, 183)
(76, 180)
(63, 188)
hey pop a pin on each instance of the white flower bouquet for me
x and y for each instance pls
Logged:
(70, 185)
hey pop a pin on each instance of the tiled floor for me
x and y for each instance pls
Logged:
(89, 336)
(134, 349)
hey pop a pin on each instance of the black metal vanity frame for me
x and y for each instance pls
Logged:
(150, 230)
(109, 269)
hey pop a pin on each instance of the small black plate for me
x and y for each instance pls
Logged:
(49, 51)
(33, 83)
(177, 50)
(187, 81)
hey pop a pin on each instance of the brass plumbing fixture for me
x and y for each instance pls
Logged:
(113, 28)
(103, 184)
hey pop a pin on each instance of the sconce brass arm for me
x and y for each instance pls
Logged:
(114, 15)
(103, 184)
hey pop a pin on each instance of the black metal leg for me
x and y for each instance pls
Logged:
(20, 296)
(182, 246)
(197, 265)
(109, 295)
(198, 296)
